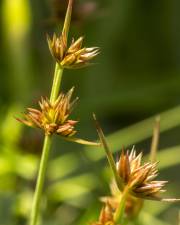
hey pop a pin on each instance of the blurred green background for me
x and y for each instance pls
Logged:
(136, 76)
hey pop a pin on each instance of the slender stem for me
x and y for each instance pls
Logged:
(40, 180)
(47, 140)
(45, 152)
(56, 82)
(119, 214)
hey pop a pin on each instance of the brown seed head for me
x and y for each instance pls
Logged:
(53, 117)
(139, 178)
(73, 57)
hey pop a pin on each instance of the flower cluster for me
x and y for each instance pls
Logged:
(73, 57)
(139, 177)
(53, 117)
(134, 182)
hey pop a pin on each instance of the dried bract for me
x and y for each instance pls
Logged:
(53, 117)
(139, 177)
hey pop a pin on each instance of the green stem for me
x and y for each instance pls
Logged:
(45, 152)
(56, 83)
(47, 140)
(119, 214)
(40, 180)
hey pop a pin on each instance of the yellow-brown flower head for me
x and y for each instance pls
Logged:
(53, 117)
(73, 57)
(139, 177)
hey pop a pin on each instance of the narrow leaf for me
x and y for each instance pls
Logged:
(108, 154)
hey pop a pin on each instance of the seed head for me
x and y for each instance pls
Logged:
(139, 177)
(73, 57)
(53, 117)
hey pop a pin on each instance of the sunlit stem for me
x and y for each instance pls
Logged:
(48, 139)
(155, 140)
(45, 152)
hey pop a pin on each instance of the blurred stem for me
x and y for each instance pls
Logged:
(155, 140)
(119, 214)
(16, 22)
(40, 180)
